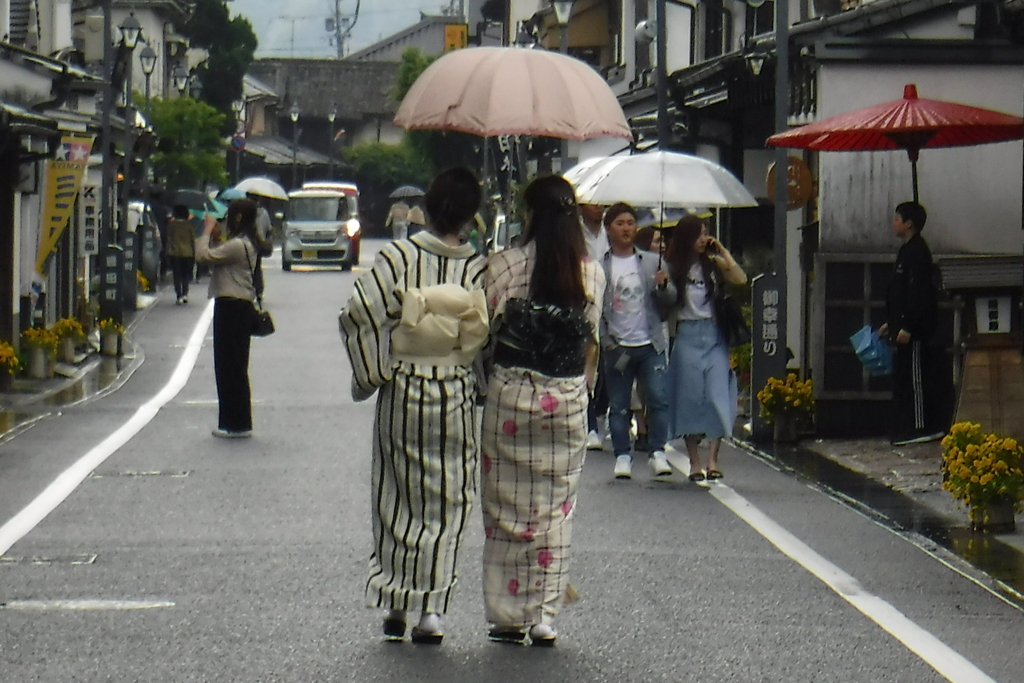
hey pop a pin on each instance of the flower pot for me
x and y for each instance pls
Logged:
(66, 352)
(37, 363)
(109, 342)
(993, 517)
(787, 427)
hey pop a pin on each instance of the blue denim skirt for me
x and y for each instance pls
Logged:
(702, 385)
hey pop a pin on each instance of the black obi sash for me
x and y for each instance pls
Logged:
(544, 338)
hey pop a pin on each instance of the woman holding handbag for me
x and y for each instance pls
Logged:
(231, 288)
(703, 388)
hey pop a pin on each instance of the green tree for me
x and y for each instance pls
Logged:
(190, 149)
(412, 65)
(443, 148)
(387, 166)
(230, 44)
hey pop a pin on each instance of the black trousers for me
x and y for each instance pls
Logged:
(181, 267)
(232, 322)
(597, 407)
(921, 390)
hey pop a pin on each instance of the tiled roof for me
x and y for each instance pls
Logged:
(359, 89)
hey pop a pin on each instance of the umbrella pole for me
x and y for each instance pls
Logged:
(913, 172)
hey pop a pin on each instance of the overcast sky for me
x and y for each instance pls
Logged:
(296, 28)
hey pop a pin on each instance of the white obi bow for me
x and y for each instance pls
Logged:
(441, 325)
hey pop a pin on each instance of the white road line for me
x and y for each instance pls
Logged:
(949, 663)
(62, 487)
(933, 651)
(83, 604)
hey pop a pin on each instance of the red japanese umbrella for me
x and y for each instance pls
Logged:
(911, 123)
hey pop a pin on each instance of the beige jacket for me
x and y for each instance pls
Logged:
(231, 263)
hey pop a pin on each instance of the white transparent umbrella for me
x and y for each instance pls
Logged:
(658, 179)
(264, 187)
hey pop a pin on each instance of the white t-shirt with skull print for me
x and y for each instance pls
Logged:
(628, 319)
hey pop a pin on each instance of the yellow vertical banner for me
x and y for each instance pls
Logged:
(456, 36)
(63, 178)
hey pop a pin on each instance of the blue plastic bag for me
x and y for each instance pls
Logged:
(872, 351)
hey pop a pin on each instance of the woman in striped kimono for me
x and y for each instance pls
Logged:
(413, 328)
(545, 304)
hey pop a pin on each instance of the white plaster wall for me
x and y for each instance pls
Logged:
(972, 194)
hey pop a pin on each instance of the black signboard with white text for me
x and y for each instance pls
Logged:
(768, 342)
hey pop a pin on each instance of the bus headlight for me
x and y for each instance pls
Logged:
(352, 227)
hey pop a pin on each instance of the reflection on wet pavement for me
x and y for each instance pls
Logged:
(30, 400)
(986, 552)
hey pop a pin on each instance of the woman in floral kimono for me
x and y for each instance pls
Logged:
(413, 328)
(545, 304)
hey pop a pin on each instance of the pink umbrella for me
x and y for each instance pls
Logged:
(490, 91)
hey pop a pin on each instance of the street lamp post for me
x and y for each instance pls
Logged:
(293, 114)
(180, 79)
(237, 106)
(563, 13)
(147, 58)
(195, 86)
(331, 116)
(131, 30)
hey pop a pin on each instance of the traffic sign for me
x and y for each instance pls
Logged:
(238, 143)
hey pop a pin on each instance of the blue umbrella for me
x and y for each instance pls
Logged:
(216, 209)
(230, 193)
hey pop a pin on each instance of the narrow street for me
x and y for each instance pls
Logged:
(181, 557)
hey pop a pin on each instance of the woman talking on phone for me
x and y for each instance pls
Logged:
(702, 385)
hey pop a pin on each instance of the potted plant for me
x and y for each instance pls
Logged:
(10, 362)
(41, 345)
(983, 471)
(784, 403)
(9, 358)
(110, 334)
(69, 333)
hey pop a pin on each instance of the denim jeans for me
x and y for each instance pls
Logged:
(651, 369)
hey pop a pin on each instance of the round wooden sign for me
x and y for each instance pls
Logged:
(800, 183)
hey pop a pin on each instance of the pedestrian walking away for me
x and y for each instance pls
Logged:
(545, 301)
(181, 252)
(633, 341)
(231, 288)
(920, 395)
(413, 329)
(265, 247)
(398, 220)
(702, 385)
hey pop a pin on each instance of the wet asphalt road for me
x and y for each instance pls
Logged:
(212, 560)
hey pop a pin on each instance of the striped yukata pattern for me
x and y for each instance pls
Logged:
(424, 470)
(534, 445)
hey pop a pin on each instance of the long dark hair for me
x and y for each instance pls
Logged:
(681, 255)
(241, 220)
(554, 226)
(452, 199)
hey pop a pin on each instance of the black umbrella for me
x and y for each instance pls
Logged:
(195, 200)
(406, 191)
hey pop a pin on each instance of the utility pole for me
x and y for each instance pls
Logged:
(341, 26)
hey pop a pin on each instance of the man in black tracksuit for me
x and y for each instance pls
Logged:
(918, 413)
